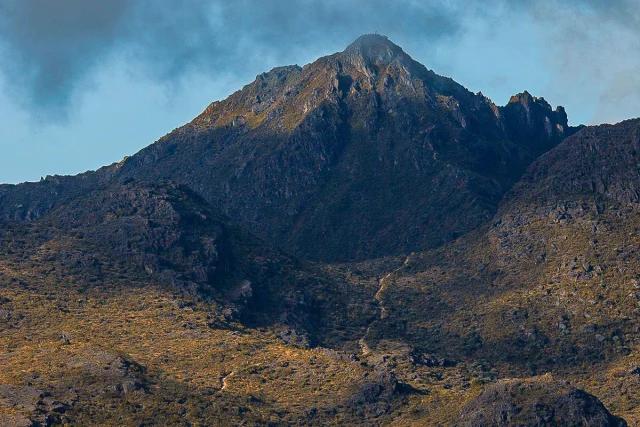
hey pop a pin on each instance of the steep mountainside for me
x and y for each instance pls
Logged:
(551, 285)
(109, 302)
(360, 154)
(159, 234)
(167, 235)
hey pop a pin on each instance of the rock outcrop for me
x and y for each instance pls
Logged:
(536, 402)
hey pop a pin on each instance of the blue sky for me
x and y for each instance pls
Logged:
(85, 82)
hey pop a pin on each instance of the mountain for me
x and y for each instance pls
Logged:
(550, 284)
(361, 154)
(358, 241)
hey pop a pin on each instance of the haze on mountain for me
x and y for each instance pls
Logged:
(356, 241)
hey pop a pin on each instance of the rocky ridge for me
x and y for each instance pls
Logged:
(323, 160)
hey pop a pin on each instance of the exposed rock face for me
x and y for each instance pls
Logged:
(166, 231)
(534, 403)
(531, 120)
(360, 154)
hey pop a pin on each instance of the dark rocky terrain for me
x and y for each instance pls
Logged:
(536, 402)
(160, 250)
(358, 241)
(323, 160)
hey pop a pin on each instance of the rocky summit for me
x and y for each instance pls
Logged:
(358, 241)
(364, 153)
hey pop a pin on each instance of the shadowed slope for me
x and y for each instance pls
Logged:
(550, 286)
(360, 154)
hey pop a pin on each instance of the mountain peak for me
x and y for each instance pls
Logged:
(374, 48)
(372, 39)
(525, 98)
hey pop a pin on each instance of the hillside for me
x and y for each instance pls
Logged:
(549, 285)
(140, 304)
(132, 296)
(358, 241)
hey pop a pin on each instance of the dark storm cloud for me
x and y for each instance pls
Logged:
(52, 47)
(49, 44)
